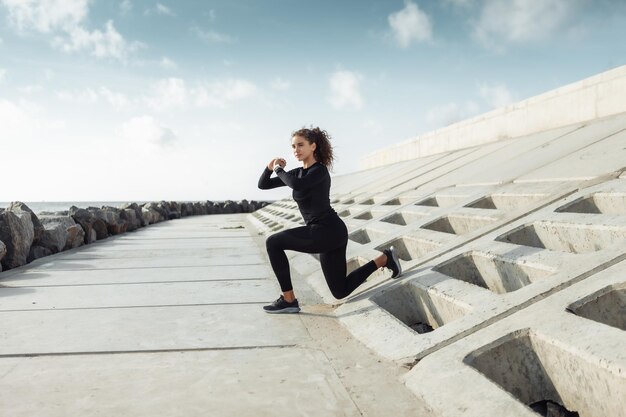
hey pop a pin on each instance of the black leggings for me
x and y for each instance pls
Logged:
(329, 238)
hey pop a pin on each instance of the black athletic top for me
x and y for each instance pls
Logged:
(311, 188)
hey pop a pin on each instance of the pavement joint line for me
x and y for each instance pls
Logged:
(134, 257)
(128, 352)
(133, 283)
(137, 267)
(187, 238)
(131, 307)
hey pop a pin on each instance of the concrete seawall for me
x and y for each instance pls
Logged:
(511, 228)
(590, 99)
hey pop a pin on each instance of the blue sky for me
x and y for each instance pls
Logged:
(188, 100)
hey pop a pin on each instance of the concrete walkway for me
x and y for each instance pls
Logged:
(167, 321)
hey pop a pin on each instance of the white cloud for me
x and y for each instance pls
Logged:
(497, 95)
(3, 74)
(64, 20)
(504, 21)
(23, 121)
(167, 63)
(451, 113)
(223, 93)
(164, 10)
(108, 44)
(118, 101)
(126, 7)
(410, 24)
(86, 96)
(168, 93)
(30, 89)
(212, 15)
(46, 15)
(279, 84)
(1, 41)
(459, 3)
(373, 126)
(212, 36)
(146, 131)
(345, 90)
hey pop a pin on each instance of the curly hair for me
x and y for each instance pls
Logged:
(324, 150)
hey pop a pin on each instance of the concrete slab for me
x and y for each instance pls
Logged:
(145, 329)
(240, 382)
(38, 278)
(172, 251)
(169, 262)
(137, 295)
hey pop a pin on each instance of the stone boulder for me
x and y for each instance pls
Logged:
(115, 220)
(3, 251)
(37, 226)
(138, 214)
(174, 210)
(37, 252)
(61, 233)
(156, 212)
(99, 223)
(86, 220)
(150, 215)
(133, 221)
(186, 209)
(17, 232)
(231, 207)
(211, 208)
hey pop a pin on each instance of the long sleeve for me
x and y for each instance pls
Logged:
(267, 183)
(315, 175)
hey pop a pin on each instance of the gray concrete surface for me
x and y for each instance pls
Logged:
(167, 321)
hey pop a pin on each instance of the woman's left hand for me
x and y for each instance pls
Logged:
(280, 162)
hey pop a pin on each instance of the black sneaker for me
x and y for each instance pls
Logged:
(393, 262)
(282, 306)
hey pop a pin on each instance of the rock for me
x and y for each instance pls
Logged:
(150, 214)
(138, 213)
(231, 207)
(37, 252)
(37, 226)
(115, 221)
(61, 233)
(158, 212)
(133, 221)
(17, 233)
(86, 220)
(3, 251)
(99, 223)
(75, 237)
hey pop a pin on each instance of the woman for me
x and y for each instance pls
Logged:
(324, 232)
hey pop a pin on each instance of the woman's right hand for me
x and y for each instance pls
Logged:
(275, 161)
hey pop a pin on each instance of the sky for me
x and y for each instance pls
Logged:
(129, 100)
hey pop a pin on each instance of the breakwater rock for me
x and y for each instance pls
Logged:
(26, 236)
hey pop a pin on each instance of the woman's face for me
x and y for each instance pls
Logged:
(302, 149)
